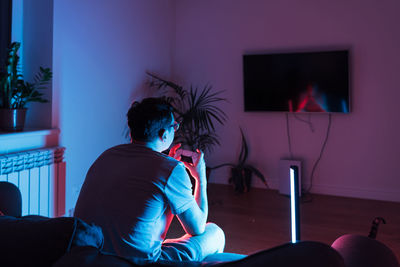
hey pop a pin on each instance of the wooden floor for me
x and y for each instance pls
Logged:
(260, 219)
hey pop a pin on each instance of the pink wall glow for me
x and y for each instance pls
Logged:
(362, 153)
(101, 50)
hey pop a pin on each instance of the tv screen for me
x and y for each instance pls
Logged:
(297, 82)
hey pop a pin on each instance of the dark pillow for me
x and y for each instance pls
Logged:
(10, 199)
(39, 241)
(359, 251)
(91, 257)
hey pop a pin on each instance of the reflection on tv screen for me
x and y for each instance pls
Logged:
(297, 82)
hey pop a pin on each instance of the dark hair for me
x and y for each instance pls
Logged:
(147, 118)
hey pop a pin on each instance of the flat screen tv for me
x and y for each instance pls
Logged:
(297, 82)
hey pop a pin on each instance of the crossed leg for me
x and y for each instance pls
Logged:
(194, 248)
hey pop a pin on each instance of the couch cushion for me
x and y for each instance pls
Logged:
(40, 241)
(90, 256)
(10, 199)
(307, 253)
(304, 253)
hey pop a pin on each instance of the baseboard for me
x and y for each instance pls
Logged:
(364, 193)
(341, 191)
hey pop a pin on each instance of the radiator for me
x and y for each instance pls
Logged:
(40, 176)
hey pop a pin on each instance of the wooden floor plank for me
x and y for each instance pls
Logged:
(260, 219)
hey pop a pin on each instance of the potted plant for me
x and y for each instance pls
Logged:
(242, 172)
(196, 111)
(15, 93)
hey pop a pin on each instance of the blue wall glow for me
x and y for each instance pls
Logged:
(17, 27)
(100, 58)
(32, 26)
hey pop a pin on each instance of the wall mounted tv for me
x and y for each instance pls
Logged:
(297, 82)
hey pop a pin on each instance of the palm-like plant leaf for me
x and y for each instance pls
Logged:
(160, 83)
(241, 168)
(196, 110)
(202, 110)
(244, 151)
(257, 173)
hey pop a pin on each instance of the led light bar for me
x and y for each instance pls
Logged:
(294, 203)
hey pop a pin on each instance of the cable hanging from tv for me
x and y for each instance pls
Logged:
(308, 189)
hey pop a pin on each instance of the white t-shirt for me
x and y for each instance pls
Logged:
(132, 191)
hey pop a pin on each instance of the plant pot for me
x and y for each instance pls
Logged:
(241, 179)
(12, 120)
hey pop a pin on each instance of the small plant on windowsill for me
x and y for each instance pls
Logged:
(242, 172)
(15, 93)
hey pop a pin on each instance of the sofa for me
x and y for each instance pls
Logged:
(68, 241)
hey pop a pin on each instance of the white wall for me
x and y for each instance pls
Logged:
(101, 52)
(362, 153)
(32, 26)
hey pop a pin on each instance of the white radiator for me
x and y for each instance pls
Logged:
(40, 176)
